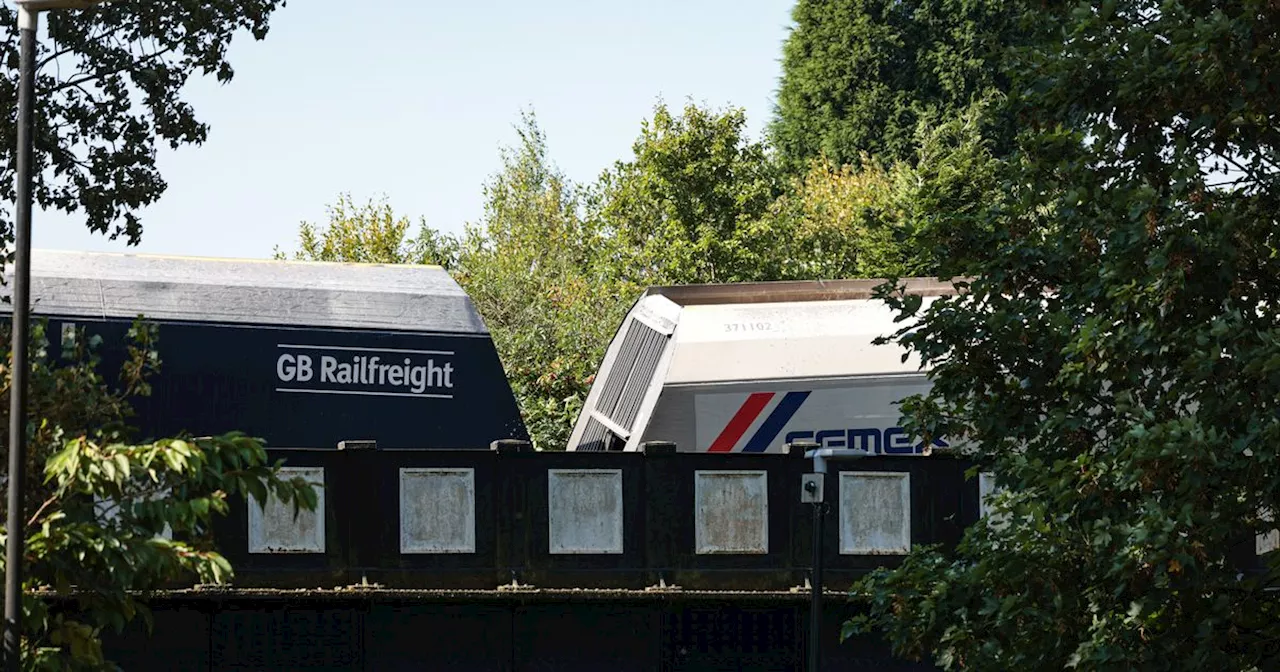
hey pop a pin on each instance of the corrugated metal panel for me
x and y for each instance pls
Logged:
(246, 291)
(1266, 543)
(615, 379)
(986, 488)
(108, 510)
(584, 511)
(631, 374)
(731, 512)
(437, 510)
(594, 437)
(875, 513)
(276, 530)
(616, 402)
(1270, 541)
(651, 345)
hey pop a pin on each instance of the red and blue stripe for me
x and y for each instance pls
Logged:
(768, 430)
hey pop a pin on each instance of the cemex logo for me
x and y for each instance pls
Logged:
(379, 372)
(891, 441)
(737, 434)
(767, 431)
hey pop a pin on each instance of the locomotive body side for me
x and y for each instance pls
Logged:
(303, 355)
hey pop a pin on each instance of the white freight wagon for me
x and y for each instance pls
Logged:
(748, 368)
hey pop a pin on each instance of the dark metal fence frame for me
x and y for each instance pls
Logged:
(362, 519)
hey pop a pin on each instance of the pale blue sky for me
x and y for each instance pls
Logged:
(414, 101)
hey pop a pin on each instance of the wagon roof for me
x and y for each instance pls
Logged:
(393, 297)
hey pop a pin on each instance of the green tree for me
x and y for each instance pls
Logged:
(1114, 360)
(859, 76)
(371, 233)
(532, 265)
(872, 221)
(108, 92)
(945, 199)
(107, 520)
(838, 222)
(688, 205)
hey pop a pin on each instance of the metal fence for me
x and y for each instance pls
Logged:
(504, 633)
(479, 519)
(507, 559)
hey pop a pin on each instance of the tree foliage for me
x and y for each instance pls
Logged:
(686, 207)
(837, 222)
(106, 519)
(371, 233)
(75, 397)
(127, 519)
(108, 93)
(860, 76)
(532, 267)
(1113, 361)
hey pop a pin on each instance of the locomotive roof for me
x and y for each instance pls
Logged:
(393, 297)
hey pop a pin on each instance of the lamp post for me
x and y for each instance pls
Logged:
(812, 490)
(28, 21)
